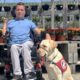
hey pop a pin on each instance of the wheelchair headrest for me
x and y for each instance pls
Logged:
(26, 9)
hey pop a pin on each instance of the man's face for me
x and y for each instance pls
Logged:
(20, 11)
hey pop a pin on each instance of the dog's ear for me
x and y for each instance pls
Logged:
(53, 44)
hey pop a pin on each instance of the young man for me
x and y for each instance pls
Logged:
(21, 43)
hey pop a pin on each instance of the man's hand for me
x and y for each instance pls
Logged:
(39, 32)
(5, 20)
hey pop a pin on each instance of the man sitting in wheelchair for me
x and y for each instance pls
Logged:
(21, 43)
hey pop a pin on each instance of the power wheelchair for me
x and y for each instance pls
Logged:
(35, 59)
(37, 62)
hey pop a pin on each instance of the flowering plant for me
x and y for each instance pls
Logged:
(51, 31)
(60, 31)
(73, 31)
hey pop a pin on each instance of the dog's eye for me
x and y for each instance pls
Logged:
(44, 46)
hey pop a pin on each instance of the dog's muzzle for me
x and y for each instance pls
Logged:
(45, 52)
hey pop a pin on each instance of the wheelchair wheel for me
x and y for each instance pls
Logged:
(39, 72)
(39, 75)
(8, 72)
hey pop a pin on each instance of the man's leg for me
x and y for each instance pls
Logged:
(28, 65)
(26, 53)
(15, 60)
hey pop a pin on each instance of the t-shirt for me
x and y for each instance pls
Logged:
(20, 30)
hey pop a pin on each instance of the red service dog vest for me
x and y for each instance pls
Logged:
(62, 65)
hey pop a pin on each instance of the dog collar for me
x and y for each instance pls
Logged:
(51, 61)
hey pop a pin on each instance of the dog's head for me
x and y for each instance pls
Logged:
(46, 47)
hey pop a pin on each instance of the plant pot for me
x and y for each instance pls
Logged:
(0, 8)
(1, 40)
(34, 8)
(70, 37)
(7, 8)
(61, 37)
(73, 37)
(53, 38)
(45, 7)
(59, 7)
(71, 7)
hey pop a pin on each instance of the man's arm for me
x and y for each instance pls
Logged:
(5, 20)
(39, 33)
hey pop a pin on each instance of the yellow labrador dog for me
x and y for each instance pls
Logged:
(55, 64)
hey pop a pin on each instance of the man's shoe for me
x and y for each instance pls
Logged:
(31, 76)
(17, 77)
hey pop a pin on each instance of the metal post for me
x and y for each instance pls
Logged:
(43, 22)
(65, 15)
(52, 14)
(40, 13)
(79, 18)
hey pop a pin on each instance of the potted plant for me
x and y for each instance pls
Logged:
(60, 34)
(52, 33)
(1, 38)
(73, 33)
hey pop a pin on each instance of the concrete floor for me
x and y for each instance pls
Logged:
(76, 76)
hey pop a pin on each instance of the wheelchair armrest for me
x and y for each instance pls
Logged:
(6, 37)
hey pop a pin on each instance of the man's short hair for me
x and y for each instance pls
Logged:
(20, 3)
